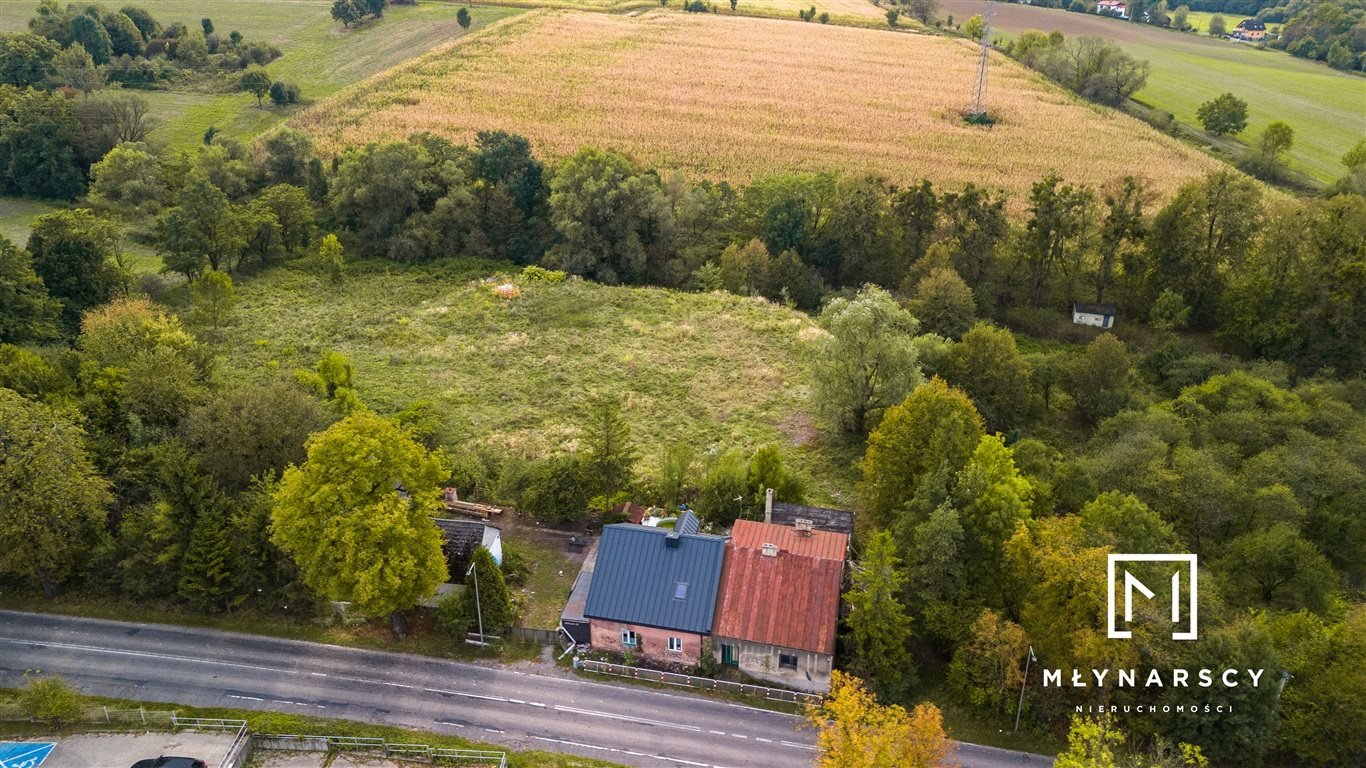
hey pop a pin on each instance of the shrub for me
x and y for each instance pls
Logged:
(50, 699)
(535, 274)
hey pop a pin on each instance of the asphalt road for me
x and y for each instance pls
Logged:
(515, 708)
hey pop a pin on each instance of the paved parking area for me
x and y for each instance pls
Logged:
(121, 750)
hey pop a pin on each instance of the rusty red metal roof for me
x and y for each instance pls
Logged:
(790, 600)
(826, 545)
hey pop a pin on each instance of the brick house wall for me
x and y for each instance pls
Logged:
(652, 642)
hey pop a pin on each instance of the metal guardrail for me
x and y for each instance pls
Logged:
(692, 681)
(318, 743)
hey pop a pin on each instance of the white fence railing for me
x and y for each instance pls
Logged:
(692, 681)
(302, 743)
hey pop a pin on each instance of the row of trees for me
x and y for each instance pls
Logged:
(1326, 30)
(795, 238)
(129, 46)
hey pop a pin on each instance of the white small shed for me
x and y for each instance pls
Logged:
(1096, 315)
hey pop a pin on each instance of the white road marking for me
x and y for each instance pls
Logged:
(627, 718)
(463, 694)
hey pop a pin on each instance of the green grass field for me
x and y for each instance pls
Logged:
(1327, 108)
(17, 215)
(1200, 20)
(319, 55)
(710, 369)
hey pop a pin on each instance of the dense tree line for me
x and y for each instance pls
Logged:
(986, 545)
(1330, 31)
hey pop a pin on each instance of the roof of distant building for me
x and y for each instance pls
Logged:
(638, 574)
(822, 518)
(1094, 309)
(633, 511)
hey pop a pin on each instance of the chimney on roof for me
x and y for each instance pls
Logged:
(768, 505)
(803, 526)
(769, 550)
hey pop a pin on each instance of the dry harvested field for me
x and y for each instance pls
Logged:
(734, 98)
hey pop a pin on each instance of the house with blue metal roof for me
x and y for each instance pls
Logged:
(653, 591)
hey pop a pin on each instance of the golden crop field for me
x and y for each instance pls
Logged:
(733, 98)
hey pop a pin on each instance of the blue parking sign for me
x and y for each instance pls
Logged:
(24, 754)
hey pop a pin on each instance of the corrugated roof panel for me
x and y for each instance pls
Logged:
(752, 534)
(791, 601)
(637, 575)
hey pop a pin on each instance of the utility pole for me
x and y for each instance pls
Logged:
(478, 609)
(1020, 707)
(978, 110)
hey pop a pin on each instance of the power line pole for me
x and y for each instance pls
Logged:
(978, 110)
(478, 609)
(1020, 707)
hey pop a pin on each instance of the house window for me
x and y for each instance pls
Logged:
(675, 645)
(787, 661)
(629, 638)
(728, 656)
(681, 590)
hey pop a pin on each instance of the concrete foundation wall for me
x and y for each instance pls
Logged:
(761, 661)
(653, 642)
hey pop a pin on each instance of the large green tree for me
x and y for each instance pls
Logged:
(607, 214)
(1223, 114)
(935, 428)
(74, 252)
(356, 516)
(1203, 234)
(27, 313)
(37, 145)
(26, 59)
(879, 629)
(52, 501)
(987, 365)
(254, 430)
(865, 362)
(609, 456)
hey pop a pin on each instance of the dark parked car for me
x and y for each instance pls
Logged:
(170, 762)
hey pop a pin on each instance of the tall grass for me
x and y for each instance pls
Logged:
(710, 369)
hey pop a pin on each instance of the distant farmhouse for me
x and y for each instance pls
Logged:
(1250, 30)
(1116, 8)
(780, 601)
(653, 590)
(1098, 315)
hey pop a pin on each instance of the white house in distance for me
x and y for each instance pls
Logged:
(1097, 315)
(1115, 8)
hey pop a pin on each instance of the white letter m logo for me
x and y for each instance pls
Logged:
(1132, 584)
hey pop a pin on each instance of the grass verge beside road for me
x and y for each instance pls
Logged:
(281, 723)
